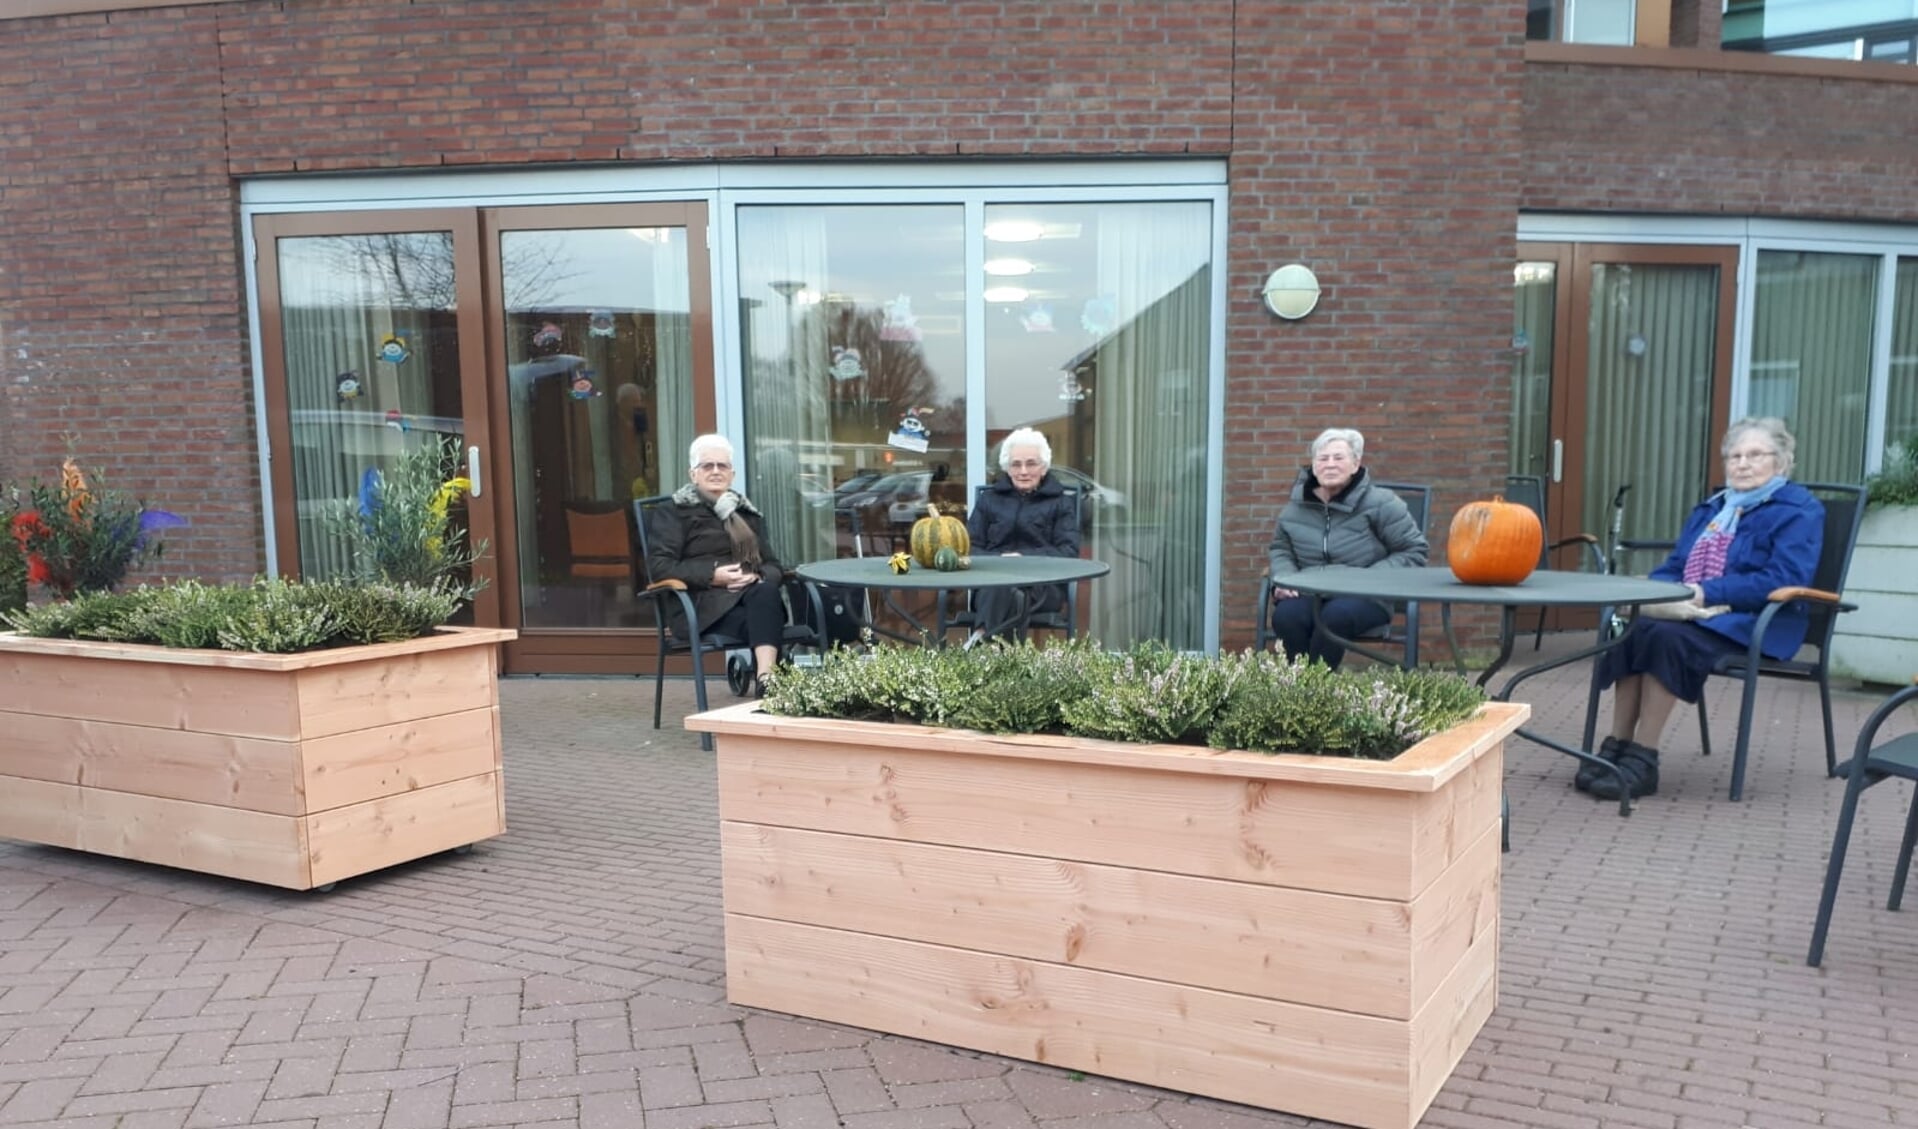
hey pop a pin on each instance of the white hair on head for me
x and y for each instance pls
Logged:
(1024, 437)
(1346, 435)
(708, 443)
(1773, 431)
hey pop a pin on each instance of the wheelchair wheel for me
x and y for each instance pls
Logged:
(739, 672)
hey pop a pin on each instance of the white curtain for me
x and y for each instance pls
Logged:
(1901, 399)
(783, 272)
(673, 361)
(1148, 395)
(1812, 318)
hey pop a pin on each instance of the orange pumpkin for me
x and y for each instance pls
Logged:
(1495, 542)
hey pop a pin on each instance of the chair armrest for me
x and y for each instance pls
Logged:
(1816, 595)
(1667, 546)
(1574, 539)
(665, 585)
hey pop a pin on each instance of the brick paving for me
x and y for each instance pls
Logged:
(570, 973)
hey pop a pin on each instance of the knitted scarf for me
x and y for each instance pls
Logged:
(728, 509)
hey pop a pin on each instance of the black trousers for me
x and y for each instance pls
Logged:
(993, 607)
(1346, 616)
(759, 617)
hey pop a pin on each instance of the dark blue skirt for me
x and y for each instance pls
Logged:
(1679, 655)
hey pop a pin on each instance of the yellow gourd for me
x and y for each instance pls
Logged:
(937, 531)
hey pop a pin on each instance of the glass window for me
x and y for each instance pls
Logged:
(1812, 317)
(1582, 21)
(853, 334)
(372, 367)
(1901, 398)
(1098, 330)
(1833, 29)
(1534, 302)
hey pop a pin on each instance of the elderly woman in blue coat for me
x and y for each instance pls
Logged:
(1760, 533)
(1025, 512)
(1337, 516)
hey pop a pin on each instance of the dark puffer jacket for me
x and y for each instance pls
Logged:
(687, 543)
(1362, 526)
(1044, 523)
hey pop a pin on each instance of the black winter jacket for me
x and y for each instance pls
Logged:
(1044, 523)
(687, 543)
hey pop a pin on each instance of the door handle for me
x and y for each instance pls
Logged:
(473, 470)
(1558, 461)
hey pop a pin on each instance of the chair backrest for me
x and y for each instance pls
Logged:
(1417, 498)
(599, 540)
(644, 510)
(1844, 513)
(1528, 490)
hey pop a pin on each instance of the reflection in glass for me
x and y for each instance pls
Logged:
(853, 340)
(1901, 399)
(1108, 355)
(372, 367)
(1534, 299)
(1878, 30)
(1812, 318)
(1649, 362)
(599, 392)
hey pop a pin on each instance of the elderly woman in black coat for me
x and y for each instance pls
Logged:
(1024, 512)
(714, 541)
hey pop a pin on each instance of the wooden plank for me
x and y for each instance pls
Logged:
(1364, 842)
(238, 772)
(255, 846)
(1364, 955)
(1312, 1061)
(442, 639)
(40, 811)
(345, 698)
(350, 768)
(239, 703)
(1426, 767)
(1444, 1028)
(367, 836)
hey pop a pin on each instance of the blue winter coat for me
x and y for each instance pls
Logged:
(1776, 545)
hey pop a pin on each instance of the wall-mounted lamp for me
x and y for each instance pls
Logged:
(1292, 291)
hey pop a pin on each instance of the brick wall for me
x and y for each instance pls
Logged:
(1696, 23)
(121, 331)
(1712, 142)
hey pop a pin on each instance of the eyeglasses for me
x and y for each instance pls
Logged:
(708, 468)
(1750, 456)
(1024, 464)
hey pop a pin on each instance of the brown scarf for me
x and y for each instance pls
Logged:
(728, 509)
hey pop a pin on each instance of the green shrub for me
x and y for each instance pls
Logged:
(270, 616)
(1896, 483)
(403, 528)
(1149, 694)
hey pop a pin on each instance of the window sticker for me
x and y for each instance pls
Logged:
(846, 364)
(393, 349)
(347, 386)
(583, 387)
(548, 336)
(1037, 318)
(601, 324)
(911, 434)
(901, 324)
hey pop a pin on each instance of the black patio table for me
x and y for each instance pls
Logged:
(1543, 589)
(987, 571)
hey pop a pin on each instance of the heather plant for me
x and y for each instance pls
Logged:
(1896, 483)
(1150, 693)
(272, 616)
(13, 559)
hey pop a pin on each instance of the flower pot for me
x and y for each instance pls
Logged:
(1317, 935)
(291, 770)
(1879, 641)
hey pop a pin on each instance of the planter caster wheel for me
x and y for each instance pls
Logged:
(326, 889)
(465, 849)
(739, 672)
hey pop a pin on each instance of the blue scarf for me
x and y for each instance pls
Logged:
(1733, 502)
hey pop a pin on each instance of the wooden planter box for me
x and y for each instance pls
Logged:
(1309, 934)
(292, 770)
(1879, 641)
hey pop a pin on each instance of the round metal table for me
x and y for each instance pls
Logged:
(988, 571)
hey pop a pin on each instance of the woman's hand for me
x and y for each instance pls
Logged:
(1698, 595)
(1279, 593)
(732, 577)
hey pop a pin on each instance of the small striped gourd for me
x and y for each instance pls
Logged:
(937, 531)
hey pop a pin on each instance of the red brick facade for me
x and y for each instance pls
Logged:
(1389, 144)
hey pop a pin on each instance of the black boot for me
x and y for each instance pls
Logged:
(1608, 750)
(1637, 766)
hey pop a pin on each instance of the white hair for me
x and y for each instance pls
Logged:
(1344, 435)
(1024, 437)
(708, 443)
(1772, 430)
